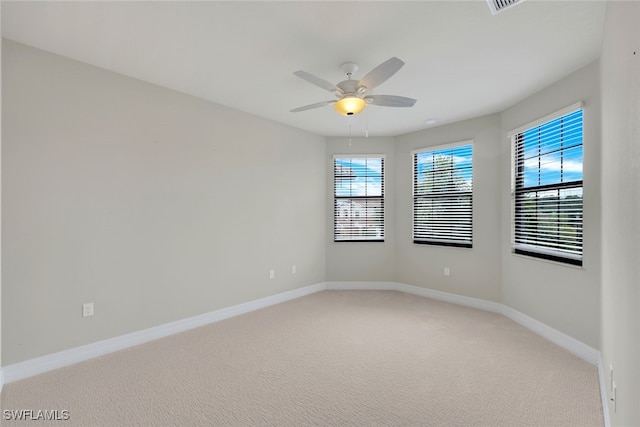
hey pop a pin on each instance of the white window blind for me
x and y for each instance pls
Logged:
(548, 207)
(443, 195)
(358, 198)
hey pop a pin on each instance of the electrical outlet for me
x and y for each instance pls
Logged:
(293, 269)
(447, 271)
(87, 309)
(272, 274)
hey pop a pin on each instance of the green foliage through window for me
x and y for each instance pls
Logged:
(443, 195)
(548, 190)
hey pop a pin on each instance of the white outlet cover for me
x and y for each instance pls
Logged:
(87, 309)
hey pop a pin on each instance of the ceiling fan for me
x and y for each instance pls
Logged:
(352, 94)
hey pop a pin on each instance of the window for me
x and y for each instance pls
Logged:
(443, 195)
(358, 207)
(547, 188)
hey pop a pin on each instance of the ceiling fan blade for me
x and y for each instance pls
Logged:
(312, 106)
(381, 73)
(390, 100)
(317, 81)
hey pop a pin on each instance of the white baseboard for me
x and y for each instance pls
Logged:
(603, 392)
(418, 291)
(578, 348)
(480, 304)
(561, 339)
(49, 362)
(360, 286)
(68, 357)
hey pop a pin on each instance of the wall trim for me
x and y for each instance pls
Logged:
(578, 348)
(68, 357)
(418, 291)
(603, 392)
(477, 303)
(561, 339)
(360, 286)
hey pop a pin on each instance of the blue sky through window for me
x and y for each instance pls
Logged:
(553, 151)
(358, 177)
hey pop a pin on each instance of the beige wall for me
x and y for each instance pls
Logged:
(362, 261)
(621, 208)
(154, 205)
(563, 297)
(474, 272)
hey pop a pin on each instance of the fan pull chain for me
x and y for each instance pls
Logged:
(366, 127)
(349, 129)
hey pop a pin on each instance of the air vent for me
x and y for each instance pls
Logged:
(500, 5)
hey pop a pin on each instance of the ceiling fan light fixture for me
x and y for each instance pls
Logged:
(350, 105)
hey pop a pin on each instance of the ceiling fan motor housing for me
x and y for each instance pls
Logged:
(349, 87)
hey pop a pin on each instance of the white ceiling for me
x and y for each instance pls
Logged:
(461, 61)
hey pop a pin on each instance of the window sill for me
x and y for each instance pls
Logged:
(549, 261)
(358, 241)
(446, 244)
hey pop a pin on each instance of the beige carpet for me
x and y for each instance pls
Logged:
(335, 358)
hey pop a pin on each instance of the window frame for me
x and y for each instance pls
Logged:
(380, 197)
(517, 187)
(442, 242)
